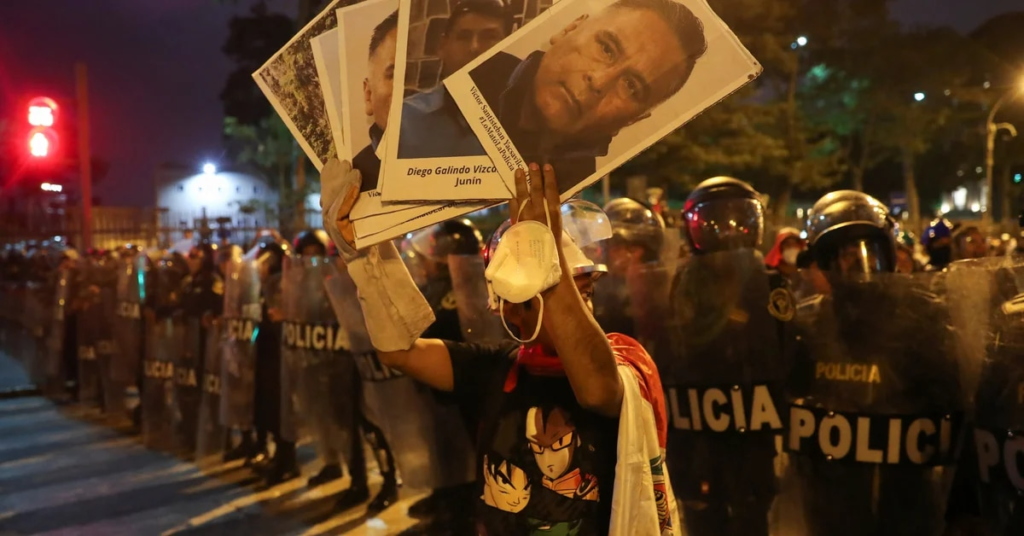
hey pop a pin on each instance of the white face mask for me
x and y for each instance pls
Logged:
(789, 256)
(525, 264)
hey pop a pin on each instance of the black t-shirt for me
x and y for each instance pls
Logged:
(545, 465)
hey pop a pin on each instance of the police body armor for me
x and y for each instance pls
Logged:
(165, 344)
(876, 413)
(724, 383)
(242, 316)
(317, 367)
(430, 452)
(987, 302)
(133, 278)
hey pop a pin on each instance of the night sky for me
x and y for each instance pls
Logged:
(156, 71)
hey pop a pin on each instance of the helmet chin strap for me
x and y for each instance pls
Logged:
(536, 331)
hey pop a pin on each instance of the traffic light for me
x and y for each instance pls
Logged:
(42, 141)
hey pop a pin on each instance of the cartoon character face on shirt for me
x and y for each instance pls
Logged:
(506, 486)
(553, 440)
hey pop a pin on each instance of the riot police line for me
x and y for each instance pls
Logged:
(840, 398)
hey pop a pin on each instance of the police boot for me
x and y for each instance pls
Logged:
(258, 459)
(283, 466)
(387, 496)
(327, 474)
(355, 495)
(244, 449)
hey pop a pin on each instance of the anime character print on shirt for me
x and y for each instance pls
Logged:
(538, 478)
(554, 441)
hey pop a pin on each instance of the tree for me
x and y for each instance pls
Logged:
(252, 40)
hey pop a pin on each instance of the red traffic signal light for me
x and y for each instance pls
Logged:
(42, 142)
(42, 117)
(42, 112)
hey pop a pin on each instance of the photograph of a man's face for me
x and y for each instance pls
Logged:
(436, 155)
(591, 83)
(368, 50)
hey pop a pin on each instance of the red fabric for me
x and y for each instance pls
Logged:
(627, 352)
(774, 256)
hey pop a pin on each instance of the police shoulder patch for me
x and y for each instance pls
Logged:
(448, 302)
(781, 304)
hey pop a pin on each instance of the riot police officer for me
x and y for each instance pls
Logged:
(638, 275)
(202, 298)
(364, 360)
(724, 378)
(430, 250)
(877, 395)
(309, 247)
(284, 465)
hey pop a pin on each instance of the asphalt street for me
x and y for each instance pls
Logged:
(65, 469)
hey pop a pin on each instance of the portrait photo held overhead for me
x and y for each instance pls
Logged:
(589, 84)
(435, 154)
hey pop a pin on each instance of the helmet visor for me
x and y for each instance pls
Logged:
(725, 224)
(862, 256)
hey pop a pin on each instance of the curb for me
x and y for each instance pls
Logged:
(20, 391)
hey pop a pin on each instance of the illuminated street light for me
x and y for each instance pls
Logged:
(919, 96)
(801, 41)
(209, 169)
(990, 147)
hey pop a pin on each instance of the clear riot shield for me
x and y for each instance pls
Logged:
(722, 359)
(37, 317)
(877, 408)
(89, 325)
(429, 442)
(478, 324)
(128, 330)
(52, 369)
(187, 389)
(211, 433)
(164, 345)
(987, 303)
(111, 386)
(242, 316)
(317, 368)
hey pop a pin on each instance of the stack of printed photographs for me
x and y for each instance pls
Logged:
(490, 86)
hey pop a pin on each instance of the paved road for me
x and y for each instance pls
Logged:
(63, 470)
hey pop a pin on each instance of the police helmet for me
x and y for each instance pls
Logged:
(723, 214)
(635, 223)
(272, 254)
(316, 239)
(851, 231)
(452, 237)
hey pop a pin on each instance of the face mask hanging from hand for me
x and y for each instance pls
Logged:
(525, 264)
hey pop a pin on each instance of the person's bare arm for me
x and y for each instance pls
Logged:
(427, 361)
(580, 342)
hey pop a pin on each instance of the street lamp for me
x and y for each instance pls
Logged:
(919, 96)
(209, 169)
(990, 147)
